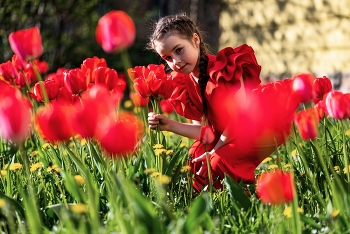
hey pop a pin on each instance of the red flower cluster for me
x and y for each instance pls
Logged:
(275, 187)
(151, 81)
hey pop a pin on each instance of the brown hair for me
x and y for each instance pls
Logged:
(183, 26)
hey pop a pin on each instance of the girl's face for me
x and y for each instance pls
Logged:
(182, 55)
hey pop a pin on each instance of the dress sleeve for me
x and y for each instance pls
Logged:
(230, 65)
(185, 97)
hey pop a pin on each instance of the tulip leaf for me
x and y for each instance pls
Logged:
(173, 162)
(15, 205)
(237, 193)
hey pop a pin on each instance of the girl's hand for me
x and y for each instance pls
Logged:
(203, 171)
(160, 120)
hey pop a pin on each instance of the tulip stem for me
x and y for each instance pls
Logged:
(209, 171)
(127, 64)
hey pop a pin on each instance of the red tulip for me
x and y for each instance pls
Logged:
(15, 114)
(90, 64)
(138, 100)
(307, 122)
(166, 106)
(76, 81)
(65, 97)
(18, 62)
(115, 31)
(50, 87)
(8, 71)
(26, 43)
(302, 86)
(321, 86)
(337, 104)
(207, 135)
(275, 187)
(109, 78)
(122, 136)
(54, 122)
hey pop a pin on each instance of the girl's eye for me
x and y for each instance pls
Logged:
(178, 50)
(167, 58)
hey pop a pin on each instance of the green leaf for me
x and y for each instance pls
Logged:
(237, 193)
(200, 206)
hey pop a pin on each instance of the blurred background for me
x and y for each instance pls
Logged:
(289, 37)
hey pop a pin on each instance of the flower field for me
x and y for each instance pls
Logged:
(77, 155)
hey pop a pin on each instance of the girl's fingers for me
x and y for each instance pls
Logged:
(199, 159)
(203, 171)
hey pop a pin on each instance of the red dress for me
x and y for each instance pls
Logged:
(252, 141)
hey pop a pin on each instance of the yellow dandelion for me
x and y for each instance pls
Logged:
(158, 146)
(336, 168)
(287, 165)
(35, 166)
(79, 179)
(347, 132)
(34, 153)
(6, 166)
(184, 142)
(155, 174)
(71, 145)
(65, 153)
(168, 134)
(55, 146)
(2, 203)
(45, 146)
(346, 169)
(163, 179)
(185, 168)
(149, 170)
(83, 142)
(335, 213)
(15, 166)
(169, 152)
(160, 151)
(3, 173)
(288, 211)
(273, 166)
(266, 160)
(137, 109)
(77, 137)
(128, 104)
(54, 168)
(294, 153)
(79, 208)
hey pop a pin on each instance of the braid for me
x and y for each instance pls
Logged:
(203, 79)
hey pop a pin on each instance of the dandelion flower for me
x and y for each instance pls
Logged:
(15, 166)
(2, 203)
(288, 211)
(83, 142)
(160, 151)
(336, 168)
(287, 166)
(347, 132)
(335, 213)
(170, 152)
(158, 146)
(346, 169)
(79, 179)
(3, 173)
(294, 153)
(266, 160)
(128, 104)
(163, 179)
(273, 166)
(45, 146)
(54, 168)
(34, 153)
(79, 208)
(155, 174)
(149, 170)
(185, 168)
(35, 166)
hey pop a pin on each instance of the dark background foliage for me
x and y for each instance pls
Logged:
(68, 26)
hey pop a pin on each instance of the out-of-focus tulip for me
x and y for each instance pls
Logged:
(337, 105)
(26, 43)
(115, 31)
(15, 114)
(307, 122)
(138, 100)
(90, 64)
(122, 136)
(76, 81)
(275, 187)
(65, 97)
(8, 71)
(151, 80)
(302, 85)
(166, 106)
(54, 122)
(321, 86)
(207, 135)
(51, 89)
(18, 62)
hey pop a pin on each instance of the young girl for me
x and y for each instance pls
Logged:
(214, 90)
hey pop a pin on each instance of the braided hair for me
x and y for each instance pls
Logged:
(183, 26)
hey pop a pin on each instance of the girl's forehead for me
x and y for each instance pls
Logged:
(168, 43)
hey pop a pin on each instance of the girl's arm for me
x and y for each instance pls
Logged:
(191, 131)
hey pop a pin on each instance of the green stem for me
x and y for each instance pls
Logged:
(346, 158)
(209, 171)
(127, 64)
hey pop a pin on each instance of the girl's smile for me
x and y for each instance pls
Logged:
(181, 55)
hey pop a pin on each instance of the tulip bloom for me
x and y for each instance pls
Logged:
(54, 122)
(302, 86)
(122, 135)
(307, 122)
(138, 100)
(76, 81)
(8, 71)
(109, 78)
(90, 64)
(207, 135)
(26, 43)
(166, 106)
(115, 31)
(151, 80)
(15, 114)
(337, 104)
(321, 86)
(50, 87)
(275, 187)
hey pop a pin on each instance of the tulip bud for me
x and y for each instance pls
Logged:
(207, 135)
